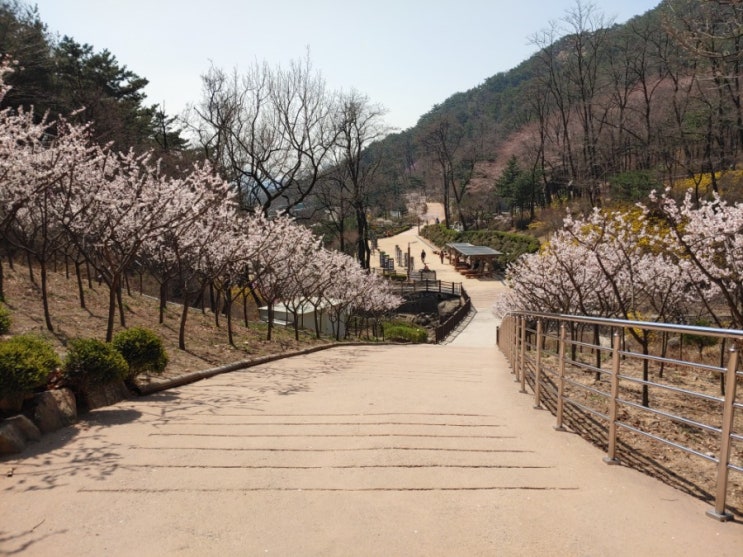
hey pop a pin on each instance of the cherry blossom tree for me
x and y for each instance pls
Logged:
(203, 192)
(302, 276)
(324, 270)
(193, 259)
(708, 238)
(267, 265)
(116, 210)
(375, 298)
(355, 289)
(558, 280)
(21, 137)
(610, 263)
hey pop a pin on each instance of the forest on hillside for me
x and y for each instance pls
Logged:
(601, 114)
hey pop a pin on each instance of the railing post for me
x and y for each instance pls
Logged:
(561, 379)
(611, 450)
(522, 356)
(517, 348)
(538, 366)
(727, 426)
(512, 343)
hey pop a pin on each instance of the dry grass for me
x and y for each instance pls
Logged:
(206, 343)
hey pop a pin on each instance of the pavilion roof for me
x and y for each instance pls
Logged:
(470, 250)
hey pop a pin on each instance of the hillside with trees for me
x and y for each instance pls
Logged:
(103, 186)
(58, 76)
(600, 115)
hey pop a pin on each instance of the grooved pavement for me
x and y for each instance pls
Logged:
(384, 450)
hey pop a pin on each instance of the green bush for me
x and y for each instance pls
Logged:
(25, 363)
(700, 341)
(4, 319)
(92, 362)
(142, 349)
(405, 333)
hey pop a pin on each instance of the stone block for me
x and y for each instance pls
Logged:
(15, 432)
(53, 410)
(105, 395)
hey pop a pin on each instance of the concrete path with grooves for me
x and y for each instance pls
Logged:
(387, 450)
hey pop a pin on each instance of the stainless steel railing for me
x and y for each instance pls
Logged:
(640, 389)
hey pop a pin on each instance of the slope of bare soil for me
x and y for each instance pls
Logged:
(207, 343)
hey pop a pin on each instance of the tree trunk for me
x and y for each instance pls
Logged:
(163, 301)
(80, 289)
(645, 372)
(126, 282)
(722, 365)
(182, 326)
(120, 302)
(228, 309)
(217, 307)
(45, 296)
(31, 276)
(363, 252)
(112, 289)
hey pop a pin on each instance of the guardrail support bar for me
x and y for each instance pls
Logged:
(561, 380)
(727, 426)
(611, 451)
(522, 356)
(538, 366)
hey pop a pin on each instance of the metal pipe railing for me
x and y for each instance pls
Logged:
(551, 364)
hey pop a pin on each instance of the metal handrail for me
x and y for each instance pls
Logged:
(733, 334)
(555, 378)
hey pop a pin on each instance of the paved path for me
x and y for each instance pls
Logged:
(390, 450)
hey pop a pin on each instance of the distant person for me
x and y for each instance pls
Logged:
(437, 221)
(423, 256)
(441, 255)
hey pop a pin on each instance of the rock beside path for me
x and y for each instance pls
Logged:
(15, 433)
(54, 410)
(49, 411)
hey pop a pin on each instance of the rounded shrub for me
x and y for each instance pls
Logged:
(90, 362)
(25, 364)
(142, 349)
(4, 319)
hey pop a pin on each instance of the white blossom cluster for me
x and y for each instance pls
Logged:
(665, 261)
(61, 193)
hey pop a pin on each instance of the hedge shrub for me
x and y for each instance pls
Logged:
(405, 333)
(91, 362)
(25, 364)
(142, 349)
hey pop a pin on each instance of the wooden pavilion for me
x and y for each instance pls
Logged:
(471, 260)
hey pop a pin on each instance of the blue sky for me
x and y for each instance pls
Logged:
(406, 55)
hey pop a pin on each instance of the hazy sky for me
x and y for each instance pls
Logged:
(406, 55)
